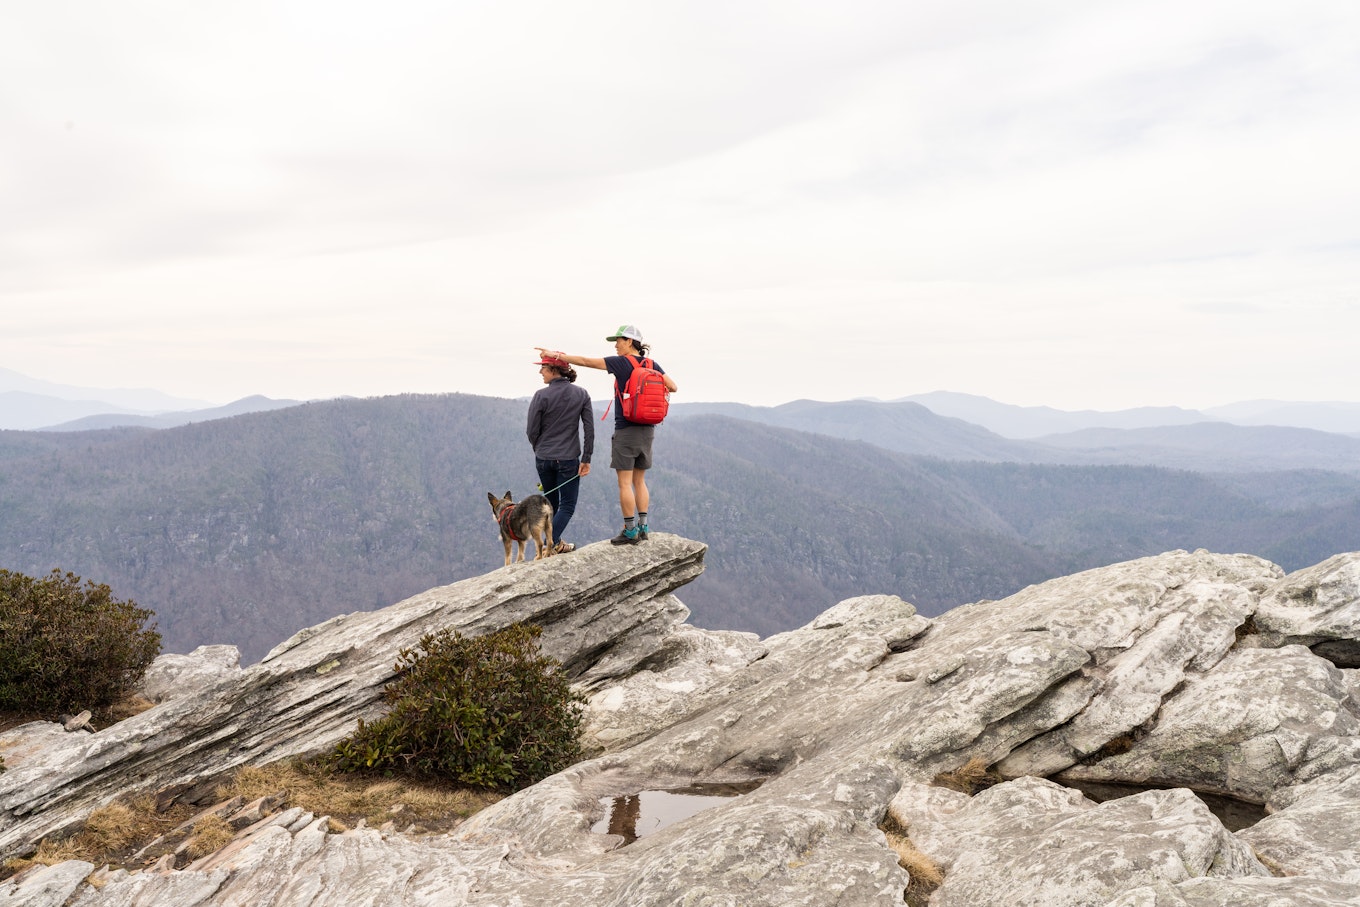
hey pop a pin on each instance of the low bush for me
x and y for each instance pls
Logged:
(488, 711)
(66, 646)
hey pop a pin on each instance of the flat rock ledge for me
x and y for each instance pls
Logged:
(1073, 744)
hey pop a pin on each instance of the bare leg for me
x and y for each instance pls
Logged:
(640, 496)
(627, 495)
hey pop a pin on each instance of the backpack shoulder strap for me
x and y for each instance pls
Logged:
(618, 394)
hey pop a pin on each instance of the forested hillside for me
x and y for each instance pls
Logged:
(246, 529)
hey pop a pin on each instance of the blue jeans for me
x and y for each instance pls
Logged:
(561, 485)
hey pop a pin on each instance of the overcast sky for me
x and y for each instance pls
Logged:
(1095, 204)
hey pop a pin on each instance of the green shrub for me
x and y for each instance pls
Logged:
(488, 711)
(65, 647)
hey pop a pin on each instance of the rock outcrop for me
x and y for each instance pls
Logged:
(1121, 711)
(599, 614)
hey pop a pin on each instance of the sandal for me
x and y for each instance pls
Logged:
(563, 547)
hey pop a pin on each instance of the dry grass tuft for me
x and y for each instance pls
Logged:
(1115, 746)
(110, 835)
(111, 828)
(347, 797)
(49, 853)
(921, 867)
(116, 833)
(926, 874)
(971, 778)
(254, 781)
(126, 707)
(1275, 867)
(211, 834)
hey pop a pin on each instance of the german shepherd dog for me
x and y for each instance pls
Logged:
(531, 518)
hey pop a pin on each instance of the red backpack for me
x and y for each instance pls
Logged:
(645, 399)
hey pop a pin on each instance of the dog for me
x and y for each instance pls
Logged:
(531, 518)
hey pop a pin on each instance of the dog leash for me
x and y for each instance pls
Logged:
(567, 482)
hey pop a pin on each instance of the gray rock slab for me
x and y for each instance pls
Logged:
(30, 741)
(1318, 607)
(45, 886)
(1260, 721)
(1030, 841)
(1055, 672)
(682, 675)
(1317, 835)
(808, 838)
(170, 675)
(1248, 892)
(308, 867)
(1191, 626)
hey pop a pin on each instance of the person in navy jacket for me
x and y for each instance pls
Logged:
(560, 457)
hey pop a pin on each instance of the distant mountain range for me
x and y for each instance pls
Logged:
(32, 403)
(911, 428)
(1023, 422)
(901, 426)
(244, 529)
(1037, 421)
(255, 404)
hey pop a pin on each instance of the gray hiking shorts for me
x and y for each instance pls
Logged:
(631, 447)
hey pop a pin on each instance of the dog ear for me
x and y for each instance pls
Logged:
(492, 498)
(507, 496)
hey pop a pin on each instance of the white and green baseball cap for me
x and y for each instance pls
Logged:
(626, 331)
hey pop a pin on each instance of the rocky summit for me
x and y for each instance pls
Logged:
(1177, 731)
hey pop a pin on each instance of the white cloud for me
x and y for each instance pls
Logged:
(1082, 204)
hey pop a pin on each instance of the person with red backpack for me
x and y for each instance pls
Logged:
(641, 389)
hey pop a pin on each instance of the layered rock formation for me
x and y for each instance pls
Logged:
(1162, 687)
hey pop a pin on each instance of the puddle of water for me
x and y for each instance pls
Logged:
(1234, 814)
(637, 815)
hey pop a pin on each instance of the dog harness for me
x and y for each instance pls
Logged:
(504, 518)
